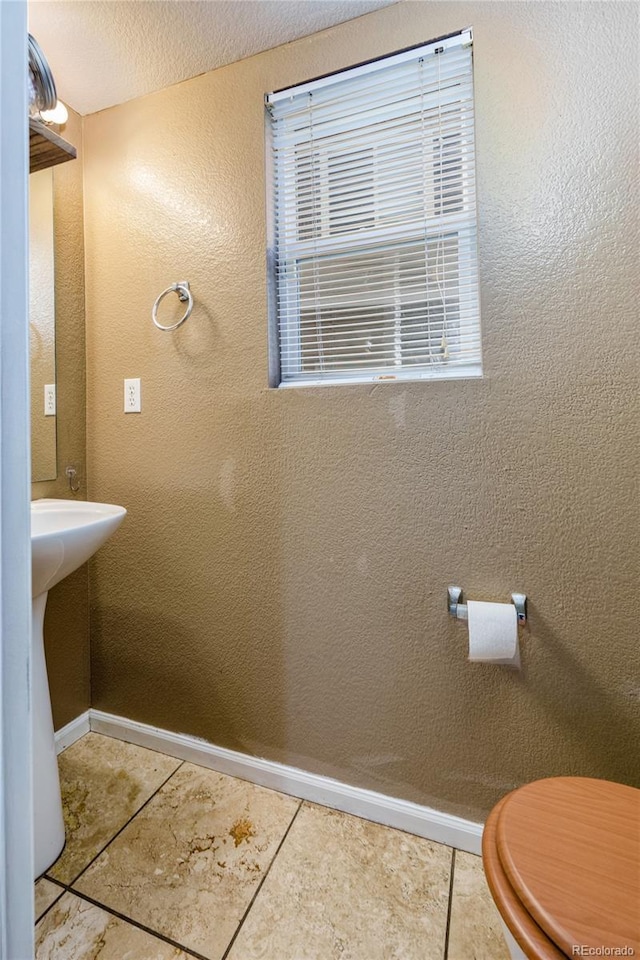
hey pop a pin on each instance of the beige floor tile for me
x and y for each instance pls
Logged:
(342, 888)
(76, 930)
(104, 781)
(46, 893)
(190, 862)
(474, 931)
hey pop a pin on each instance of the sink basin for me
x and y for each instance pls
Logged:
(64, 534)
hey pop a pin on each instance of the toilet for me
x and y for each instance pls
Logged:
(562, 860)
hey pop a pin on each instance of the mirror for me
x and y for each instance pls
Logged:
(42, 327)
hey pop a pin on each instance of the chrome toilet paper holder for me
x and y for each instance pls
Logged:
(459, 609)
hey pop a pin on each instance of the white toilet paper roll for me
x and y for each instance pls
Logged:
(493, 633)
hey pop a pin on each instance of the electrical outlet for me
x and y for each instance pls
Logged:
(132, 395)
(49, 399)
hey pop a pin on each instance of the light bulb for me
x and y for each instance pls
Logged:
(59, 114)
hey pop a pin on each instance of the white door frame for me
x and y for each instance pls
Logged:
(16, 829)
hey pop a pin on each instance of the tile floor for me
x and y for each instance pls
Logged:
(166, 859)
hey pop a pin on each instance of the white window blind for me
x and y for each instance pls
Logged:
(374, 258)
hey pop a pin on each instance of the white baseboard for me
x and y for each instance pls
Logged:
(72, 732)
(390, 811)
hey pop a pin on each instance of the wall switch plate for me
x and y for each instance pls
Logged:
(49, 399)
(132, 395)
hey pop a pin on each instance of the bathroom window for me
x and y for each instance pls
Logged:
(374, 265)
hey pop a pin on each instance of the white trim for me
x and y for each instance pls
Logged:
(16, 796)
(68, 734)
(390, 811)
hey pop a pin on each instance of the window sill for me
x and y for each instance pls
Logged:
(466, 373)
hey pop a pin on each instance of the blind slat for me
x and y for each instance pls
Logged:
(412, 265)
(426, 229)
(404, 156)
(407, 185)
(396, 97)
(396, 142)
(385, 122)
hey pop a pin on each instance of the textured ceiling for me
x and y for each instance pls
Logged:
(104, 52)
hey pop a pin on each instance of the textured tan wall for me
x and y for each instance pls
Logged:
(66, 627)
(279, 585)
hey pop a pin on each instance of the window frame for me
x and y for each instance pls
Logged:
(288, 352)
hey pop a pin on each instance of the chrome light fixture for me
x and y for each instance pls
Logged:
(42, 87)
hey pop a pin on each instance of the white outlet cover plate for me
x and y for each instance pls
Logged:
(49, 399)
(132, 402)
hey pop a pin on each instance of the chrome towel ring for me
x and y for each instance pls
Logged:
(184, 294)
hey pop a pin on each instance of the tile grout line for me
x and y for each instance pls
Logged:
(64, 890)
(120, 916)
(445, 955)
(69, 885)
(136, 923)
(261, 884)
(58, 883)
(82, 896)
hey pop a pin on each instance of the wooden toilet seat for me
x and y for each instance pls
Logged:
(532, 940)
(562, 859)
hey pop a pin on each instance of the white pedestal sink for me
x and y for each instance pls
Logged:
(64, 534)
